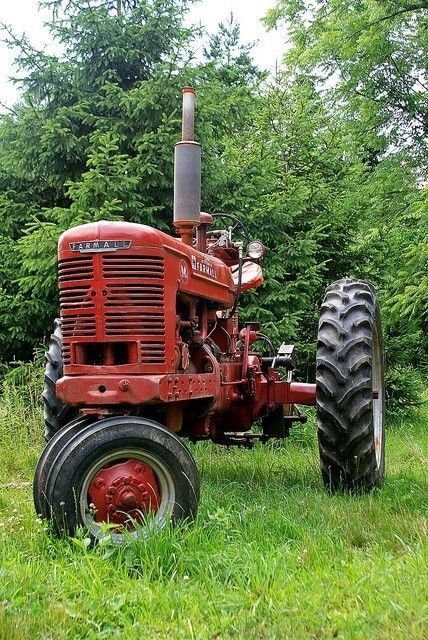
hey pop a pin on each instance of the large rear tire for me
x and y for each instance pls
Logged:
(56, 414)
(350, 388)
(115, 477)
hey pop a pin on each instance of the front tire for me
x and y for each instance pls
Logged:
(46, 460)
(113, 476)
(350, 388)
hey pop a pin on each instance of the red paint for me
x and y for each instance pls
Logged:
(252, 276)
(140, 389)
(128, 297)
(146, 328)
(124, 491)
(302, 393)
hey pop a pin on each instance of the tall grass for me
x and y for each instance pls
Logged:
(271, 554)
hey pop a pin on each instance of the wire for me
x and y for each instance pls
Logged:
(213, 329)
(264, 337)
(229, 337)
(237, 222)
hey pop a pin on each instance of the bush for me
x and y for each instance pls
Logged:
(404, 389)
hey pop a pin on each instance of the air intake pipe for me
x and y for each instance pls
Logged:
(187, 173)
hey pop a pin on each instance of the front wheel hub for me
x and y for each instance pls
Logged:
(124, 492)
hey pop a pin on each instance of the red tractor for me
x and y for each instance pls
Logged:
(149, 349)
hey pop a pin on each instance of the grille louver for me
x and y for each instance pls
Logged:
(133, 267)
(76, 297)
(66, 354)
(152, 353)
(135, 295)
(76, 269)
(131, 323)
(78, 325)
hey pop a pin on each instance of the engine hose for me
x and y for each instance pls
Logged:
(238, 223)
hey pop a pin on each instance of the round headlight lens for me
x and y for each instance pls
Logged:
(255, 250)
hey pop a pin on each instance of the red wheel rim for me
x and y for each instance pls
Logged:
(124, 492)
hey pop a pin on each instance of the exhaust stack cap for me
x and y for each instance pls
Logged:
(188, 116)
(187, 172)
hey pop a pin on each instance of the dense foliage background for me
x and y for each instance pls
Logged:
(326, 160)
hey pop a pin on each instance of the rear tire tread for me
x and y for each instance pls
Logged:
(345, 386)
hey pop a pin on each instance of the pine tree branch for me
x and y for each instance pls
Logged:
(410, 89)
(21, 44)
(4, 106)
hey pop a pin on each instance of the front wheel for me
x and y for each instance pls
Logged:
(115, 476)
(350, 388)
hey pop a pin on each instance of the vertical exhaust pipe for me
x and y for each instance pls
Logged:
(187, 173)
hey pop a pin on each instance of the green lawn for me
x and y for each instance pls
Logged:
(270, 556)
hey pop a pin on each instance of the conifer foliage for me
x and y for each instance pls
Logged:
(91, 138)
(324, 162)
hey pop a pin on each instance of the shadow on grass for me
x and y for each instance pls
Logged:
(248, 472)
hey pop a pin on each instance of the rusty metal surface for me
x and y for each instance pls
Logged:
(96, 390)
(124, 493)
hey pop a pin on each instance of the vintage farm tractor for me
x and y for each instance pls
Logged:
(149, 349)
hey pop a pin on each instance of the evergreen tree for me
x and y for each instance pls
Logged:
(91, 138)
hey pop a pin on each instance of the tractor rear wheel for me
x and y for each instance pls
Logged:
(350, 388)
(115, 477)
(56, 414)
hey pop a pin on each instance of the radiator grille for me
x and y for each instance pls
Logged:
(119, 298)
(78, 325)
(76, 269)
(135, 308)
(133, 267)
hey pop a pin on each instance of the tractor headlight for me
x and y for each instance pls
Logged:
(255, 250)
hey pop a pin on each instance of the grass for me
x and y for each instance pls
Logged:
(271, 556)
